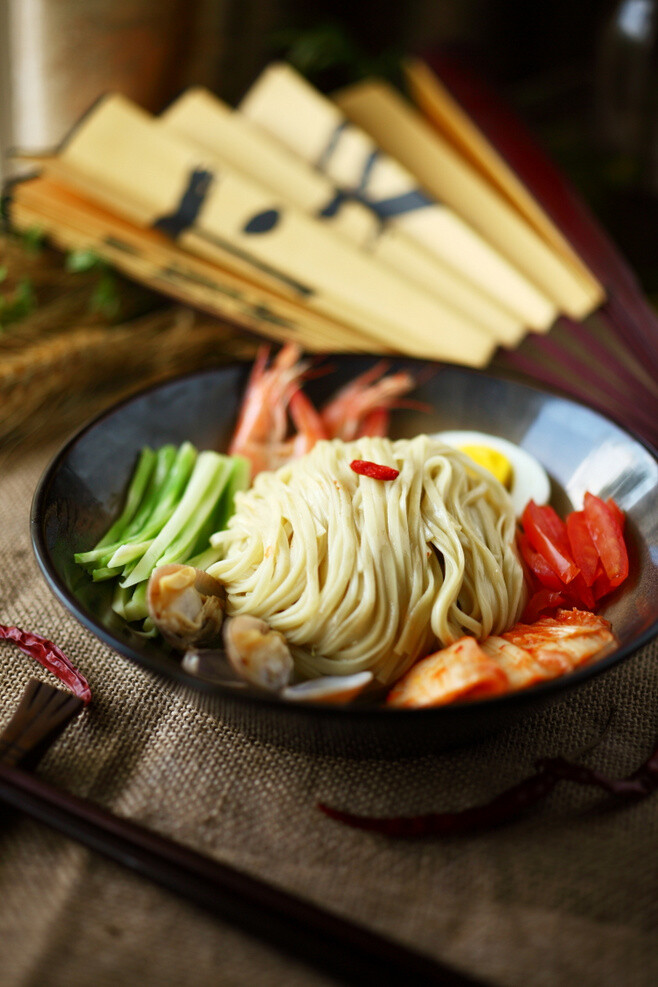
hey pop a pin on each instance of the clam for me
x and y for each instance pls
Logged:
(186, 605)
(258, 653)
(212, 665)
(333, 689)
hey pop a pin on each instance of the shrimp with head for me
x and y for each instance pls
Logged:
(362, 406)
(261, 432)
(274, 397)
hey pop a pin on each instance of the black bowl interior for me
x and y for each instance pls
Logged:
(82, 489)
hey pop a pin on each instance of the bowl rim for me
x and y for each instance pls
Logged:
(355, 712)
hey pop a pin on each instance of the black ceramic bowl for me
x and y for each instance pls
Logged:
(82, 489)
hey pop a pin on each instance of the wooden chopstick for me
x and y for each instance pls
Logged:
(334, 944)
(41, 715)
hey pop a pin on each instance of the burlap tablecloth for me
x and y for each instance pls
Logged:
(568, 894)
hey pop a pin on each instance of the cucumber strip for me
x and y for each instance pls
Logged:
(101, 555)
(128, 553)
(176, 471)
(164, 458)
(138, 483)
(172, 471)
(101, 573)
(136, 608)
(239, 479)
(178, 537)
(205, 558)
(120, 598)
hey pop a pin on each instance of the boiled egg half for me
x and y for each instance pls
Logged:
(519, 472)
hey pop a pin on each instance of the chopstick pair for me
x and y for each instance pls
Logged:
(335, 945)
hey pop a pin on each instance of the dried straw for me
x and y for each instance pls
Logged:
(62, 363)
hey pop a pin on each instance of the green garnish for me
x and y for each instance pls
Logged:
(176, 499)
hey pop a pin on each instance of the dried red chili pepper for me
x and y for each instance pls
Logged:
(510, 803)
(375, 470)
(500, 809)
(641, 783)
(50, 656)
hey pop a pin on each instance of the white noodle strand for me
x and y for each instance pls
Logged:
(365, 574)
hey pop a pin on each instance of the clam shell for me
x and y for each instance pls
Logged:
(334, 689)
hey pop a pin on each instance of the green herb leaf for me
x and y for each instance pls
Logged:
(33, 239)
(19, 304)
(80, 261)
(105, 300)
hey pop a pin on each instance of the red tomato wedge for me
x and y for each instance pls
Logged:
(617, 513)
(547, 534)
(580, 593)
(541, 601)
(574, 562)
(606, 533)
(583, 549)
(538, 565)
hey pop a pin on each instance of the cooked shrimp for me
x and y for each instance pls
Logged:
(262, 426)
(518, 658)
(360, 408)
(309, 425)
(274, 395)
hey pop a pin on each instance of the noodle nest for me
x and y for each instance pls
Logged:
(366, 574)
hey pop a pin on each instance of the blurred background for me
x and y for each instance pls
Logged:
(581, 74)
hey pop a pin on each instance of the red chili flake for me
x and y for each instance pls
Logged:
(50, 656)
(378, 472)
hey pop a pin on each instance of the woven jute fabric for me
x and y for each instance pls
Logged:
(566, 894)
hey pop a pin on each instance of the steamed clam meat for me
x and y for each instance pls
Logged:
(258, 653)
(186, 605)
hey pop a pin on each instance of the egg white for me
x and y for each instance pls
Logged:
(529, 478)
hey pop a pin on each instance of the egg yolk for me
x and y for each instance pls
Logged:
(492, 460)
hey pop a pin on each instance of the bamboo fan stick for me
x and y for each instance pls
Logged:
(286, 106)
(583, 361)
(74, 223)
(605, 381)
(624, 331)
(453, 123)
(636, 325)
(404, 134)
(179, 282)
(603, 351)
(201, 117)
(633, 319)
(536, 365)
(120, 157)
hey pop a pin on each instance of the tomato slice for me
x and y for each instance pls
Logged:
(543, 601)
(602, 585)
(547, 534)
(583, 549)
(616, 512)
(604, 528)
(580, 594)
(538, 565)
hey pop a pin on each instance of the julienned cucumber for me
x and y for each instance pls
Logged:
(176, 499)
